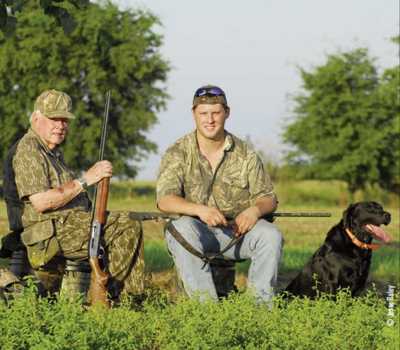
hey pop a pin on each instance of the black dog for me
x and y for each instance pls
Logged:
(345, 257)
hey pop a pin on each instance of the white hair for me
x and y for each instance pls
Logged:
(38, 113)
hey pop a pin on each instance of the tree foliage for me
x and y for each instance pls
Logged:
(53, 8)
(345, 124)
(109, 50)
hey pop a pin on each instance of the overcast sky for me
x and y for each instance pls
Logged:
(252, 50)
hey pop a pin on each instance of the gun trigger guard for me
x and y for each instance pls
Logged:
(101, 252)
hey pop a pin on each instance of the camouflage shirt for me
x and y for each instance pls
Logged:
(31, 168)
(239, 179)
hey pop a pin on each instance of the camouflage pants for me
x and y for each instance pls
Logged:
(123, 242)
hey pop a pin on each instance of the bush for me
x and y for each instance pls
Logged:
(234, 323)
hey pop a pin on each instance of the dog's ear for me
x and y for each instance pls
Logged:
(347, 215)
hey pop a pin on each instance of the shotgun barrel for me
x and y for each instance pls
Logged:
(302, 215)
(141, 216)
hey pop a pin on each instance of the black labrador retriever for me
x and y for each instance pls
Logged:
(345, 257)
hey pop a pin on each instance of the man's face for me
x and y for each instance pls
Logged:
(52, 131)
(210, 121)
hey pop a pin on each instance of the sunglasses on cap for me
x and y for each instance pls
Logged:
(212, 91)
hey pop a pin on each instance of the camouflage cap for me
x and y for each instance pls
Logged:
(54, 104)
(209, 95)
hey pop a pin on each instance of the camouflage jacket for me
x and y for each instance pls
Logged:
(31, 168)
(239, 179)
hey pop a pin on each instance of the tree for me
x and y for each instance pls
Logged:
(389, 110)
(62, 15)
(110, 49)
(344, 123)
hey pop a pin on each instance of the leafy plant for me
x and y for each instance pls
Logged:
(53, 8)
(235, 323)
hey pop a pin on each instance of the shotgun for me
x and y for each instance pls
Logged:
(97, 291)
(141, 216)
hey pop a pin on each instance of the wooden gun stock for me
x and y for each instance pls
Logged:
(97, 291)
(98, 282)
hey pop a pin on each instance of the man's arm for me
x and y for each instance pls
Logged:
(246, 220)
(174, 204)
(57, 197)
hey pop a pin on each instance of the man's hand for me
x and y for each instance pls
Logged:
(211, 216)
(175, 204)
(246, 220)
(98, 172)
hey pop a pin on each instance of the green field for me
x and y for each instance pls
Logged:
(302, 235)
(235, 323)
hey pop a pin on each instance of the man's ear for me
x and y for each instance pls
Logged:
(35, 119)
(227, 112)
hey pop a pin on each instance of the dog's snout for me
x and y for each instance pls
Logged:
(387, 216)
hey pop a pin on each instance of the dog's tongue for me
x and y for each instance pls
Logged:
(378, 232)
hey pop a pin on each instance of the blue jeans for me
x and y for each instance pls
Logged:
(263, 244)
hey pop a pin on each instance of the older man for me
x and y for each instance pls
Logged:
(50, 203)
(211, 178)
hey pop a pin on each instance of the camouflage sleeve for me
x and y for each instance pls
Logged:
(260, 184)
(30, 174)
(170, 175)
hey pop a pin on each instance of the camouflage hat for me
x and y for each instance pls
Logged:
(54, 104)
(209, 95)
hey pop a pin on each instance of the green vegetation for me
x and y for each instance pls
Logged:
(302, 235)
(345, 123)
(62, 15)
(234, 323)
(157, 257)
(109, 49)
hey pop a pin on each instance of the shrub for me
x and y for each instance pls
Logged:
(235, 323)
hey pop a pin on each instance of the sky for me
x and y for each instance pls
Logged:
(253, 49)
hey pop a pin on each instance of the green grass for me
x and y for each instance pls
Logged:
(302, 235)
(235, 323)
(157, 257)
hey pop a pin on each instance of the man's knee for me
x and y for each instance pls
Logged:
(185, 223)
(269, 233)
(188, 228)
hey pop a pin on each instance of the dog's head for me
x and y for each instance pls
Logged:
(364, 220)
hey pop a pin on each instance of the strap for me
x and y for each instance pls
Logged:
(206, 257)
(358, 243)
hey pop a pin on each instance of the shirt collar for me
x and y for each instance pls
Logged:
(228, 144)
(228, 141)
